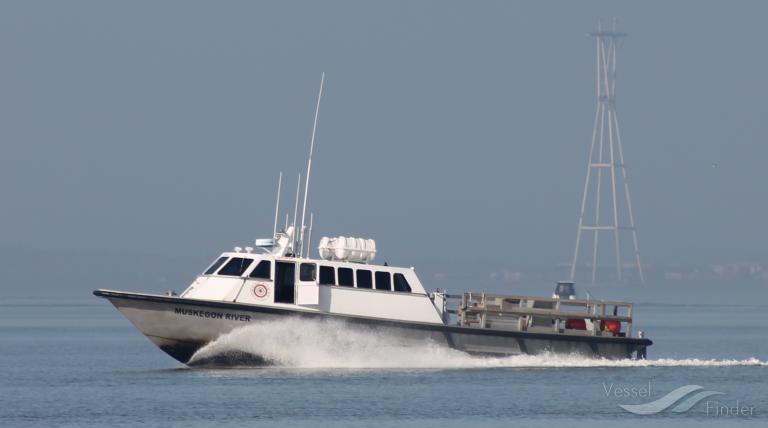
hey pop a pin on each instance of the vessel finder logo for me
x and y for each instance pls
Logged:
(679, 400)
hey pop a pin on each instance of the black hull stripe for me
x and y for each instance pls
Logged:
(370, 321)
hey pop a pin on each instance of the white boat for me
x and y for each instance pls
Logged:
(278, 279)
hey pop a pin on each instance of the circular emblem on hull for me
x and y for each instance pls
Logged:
(260, 291)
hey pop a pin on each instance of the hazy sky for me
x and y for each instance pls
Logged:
(447, 128)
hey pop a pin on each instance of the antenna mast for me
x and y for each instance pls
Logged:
(309, 166)
(295, 209)
(309, 238)
(605, 132)
(277, 204)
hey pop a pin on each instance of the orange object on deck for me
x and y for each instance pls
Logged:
(576, 324)
(611, 325)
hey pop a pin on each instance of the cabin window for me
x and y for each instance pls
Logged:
(217, 264)
(346, 277)
(383, 281)
(262, 270)
(364, 279)
(307, 272)
(401, 284)
(327, 275)
(235, 266)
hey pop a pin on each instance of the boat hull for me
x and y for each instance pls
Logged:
(181, 326)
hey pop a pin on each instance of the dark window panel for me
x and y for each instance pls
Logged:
(215, 265)
(307, 272)
(235, 266)
(364, 279)
(346, 277)
(383, 281)
(262, 270)
(327, 275)
(401, 284)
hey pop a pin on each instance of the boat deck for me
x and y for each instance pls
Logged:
(544, 315)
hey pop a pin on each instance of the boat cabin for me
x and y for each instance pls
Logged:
(316, 285)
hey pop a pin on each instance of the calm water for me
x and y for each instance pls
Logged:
(77, 362)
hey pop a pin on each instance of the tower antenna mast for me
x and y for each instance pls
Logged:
(605, 132)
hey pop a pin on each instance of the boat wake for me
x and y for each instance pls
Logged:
(298, 343)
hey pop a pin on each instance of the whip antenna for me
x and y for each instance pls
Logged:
(277, 204)
(309, 238)
(295, 209)
(309, 165)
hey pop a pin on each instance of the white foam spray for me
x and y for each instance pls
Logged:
(299, 343)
